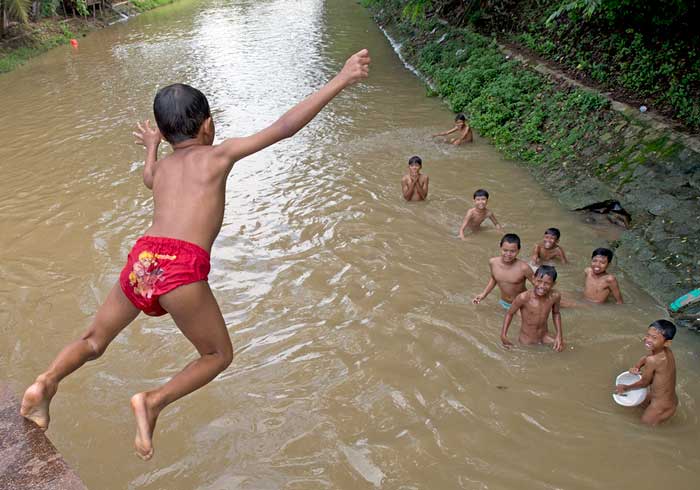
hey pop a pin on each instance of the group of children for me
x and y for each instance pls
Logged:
(511, 274)
(167, 269)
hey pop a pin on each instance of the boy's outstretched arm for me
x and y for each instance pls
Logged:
(647, 376)
(355, 69)
(489, 287)
(445, 133)
(150, 138)
(564, 260)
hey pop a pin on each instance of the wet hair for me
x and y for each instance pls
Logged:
(180, 111)
(481, 193)
(605, 252)
(415, 159)
(546, 270)
(554, 232)
(510, 238)
(667, 329)
(461, 117)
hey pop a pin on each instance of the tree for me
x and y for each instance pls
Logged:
(13, 9)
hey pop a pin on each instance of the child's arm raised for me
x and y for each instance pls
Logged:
(355, 69)
(422, 188)
(150, 138)
(647, 377)
(640, 364)
(535, 259)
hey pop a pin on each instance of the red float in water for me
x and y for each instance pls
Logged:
(74, 43)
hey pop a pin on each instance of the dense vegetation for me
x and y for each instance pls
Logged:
(644, 52)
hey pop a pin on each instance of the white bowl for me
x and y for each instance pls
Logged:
(630, 398)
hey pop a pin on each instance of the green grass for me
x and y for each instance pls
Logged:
(144, 5)
(16, 57)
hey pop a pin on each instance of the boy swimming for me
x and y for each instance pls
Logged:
(507, 272)
(478, 214)
(414, 185)
(658, 370)
(548, 249)
(167, 269)
(535, 306)
(465, 134)
(599, 284)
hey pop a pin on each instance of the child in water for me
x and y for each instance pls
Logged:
(658, 370)
(414, 185)
(507, 272)
(464, 132)
(167, 269)
(548, 249)
(600, 284)
(478, 214)
(535, 306)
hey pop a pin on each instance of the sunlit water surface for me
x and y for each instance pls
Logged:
(360, 360)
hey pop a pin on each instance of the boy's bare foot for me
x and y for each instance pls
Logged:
(35, 403)
(145, 423)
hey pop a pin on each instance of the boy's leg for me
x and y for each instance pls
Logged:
(115, 313)
(197, 315)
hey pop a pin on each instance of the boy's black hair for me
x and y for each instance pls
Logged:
(554, 232)
(461, 117)
(667, 329)
(480, 193)
(546, 270)
(605, 252)
(415, 159)
(510, 238)
(180, 111)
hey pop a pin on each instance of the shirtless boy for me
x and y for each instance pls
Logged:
(167, 269)
(464, 132)
(659, 374)
(535, 306)
(599, 284)
(548, 249)
(507, 272)
(478, 214)
(414, 185)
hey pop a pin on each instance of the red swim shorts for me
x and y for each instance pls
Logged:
(157, 265)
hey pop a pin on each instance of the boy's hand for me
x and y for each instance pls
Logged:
(506, 343)
(356, 67)
(558, 344)
(634, 370)
(477, 299)
(146, 136)
(620, 389)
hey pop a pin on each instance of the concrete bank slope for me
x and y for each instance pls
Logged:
(28, 460)
(579, 144)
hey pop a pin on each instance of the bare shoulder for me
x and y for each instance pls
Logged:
(587, 270)
(610, 279)
(522, 297)
(556, 296)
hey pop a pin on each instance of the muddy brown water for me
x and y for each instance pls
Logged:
(360, 361)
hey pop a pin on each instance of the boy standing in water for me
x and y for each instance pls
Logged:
(414, 185)
(599, 283)
(659, 374)
(548, 249)
(464, 132)
(478, 214)
(507, 272)
(166, 271)
(535, 306)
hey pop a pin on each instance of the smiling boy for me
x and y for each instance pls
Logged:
(535, 306)
(478, 214)
(659, 374)
(599, 284)
(414, 185)
(507, 272)
(548, 249)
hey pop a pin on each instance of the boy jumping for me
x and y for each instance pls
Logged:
(167, 269)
